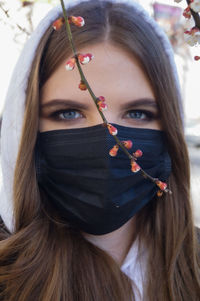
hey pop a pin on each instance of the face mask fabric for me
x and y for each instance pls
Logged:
(92, 190)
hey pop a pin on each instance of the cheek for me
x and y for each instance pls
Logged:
(44, 125)
(157, 125)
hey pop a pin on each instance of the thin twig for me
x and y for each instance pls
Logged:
(29, 16)
(83, 78)
(6, 12)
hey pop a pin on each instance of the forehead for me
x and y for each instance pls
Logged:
(113, 72)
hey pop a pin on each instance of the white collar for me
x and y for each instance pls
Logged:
(134, 266)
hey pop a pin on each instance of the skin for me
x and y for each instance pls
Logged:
(117, 76)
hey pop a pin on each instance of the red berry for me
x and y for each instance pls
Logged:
(70, 64)
(112, 129)
(78, 21)
(82, 86)
(127, 143)
(85, 58)
(101, 98)
(134, 166)
(58, 23)
(102, 105)
(114, 150)
(138, 153)
(161, 185)
(159, 193)
(187, 13)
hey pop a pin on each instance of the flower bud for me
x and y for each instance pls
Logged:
(114, 150)
(85, 58)
(159, 193)
(134, 166)
(78, 21)
(58, 23)
(127, 143)
(70, 64)
(112, 129)
(197, 58)
(102, 105)
(187, 13)
(82, 86)
(161, 185)
(101, 98)
(138, 153)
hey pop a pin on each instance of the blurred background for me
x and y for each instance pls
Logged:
(19, 18)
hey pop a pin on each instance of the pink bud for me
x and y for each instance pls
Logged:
(70, 64)
(197, 57)
(102, 105)
(187, 13)
(85, 58)
(161, 185)
(134, 166)
(138, 153)
(114, 150)
(128, 144)
(112, 129)
(78, 21)
(101, 98)
(90, 55)
(58, 23)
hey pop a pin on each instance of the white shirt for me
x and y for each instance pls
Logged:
(134, 267)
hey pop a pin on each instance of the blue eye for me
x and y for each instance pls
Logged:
(140, 115)
(67, 115)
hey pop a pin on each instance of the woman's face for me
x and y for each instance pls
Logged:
(112, 73)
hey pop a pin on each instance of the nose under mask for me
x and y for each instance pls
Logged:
(91, 190)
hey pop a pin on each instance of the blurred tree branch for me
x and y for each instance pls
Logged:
(11, 22)
(195, 16)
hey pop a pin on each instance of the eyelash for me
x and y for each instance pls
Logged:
(55, 115)
(149, 115)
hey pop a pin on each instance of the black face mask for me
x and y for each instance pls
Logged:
(93, 191)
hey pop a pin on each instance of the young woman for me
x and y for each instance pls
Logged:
(80, 224)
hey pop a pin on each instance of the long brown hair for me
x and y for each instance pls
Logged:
(46, 260)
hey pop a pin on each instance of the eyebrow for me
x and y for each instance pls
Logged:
(64, 102)
(150, 102)
(67, 102)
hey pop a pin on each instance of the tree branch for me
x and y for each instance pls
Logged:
(195, 16)
(6, 12)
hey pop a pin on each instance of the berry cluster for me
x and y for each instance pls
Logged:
(192, 36)
(193, 4)
(83, 59)
(78, 21)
